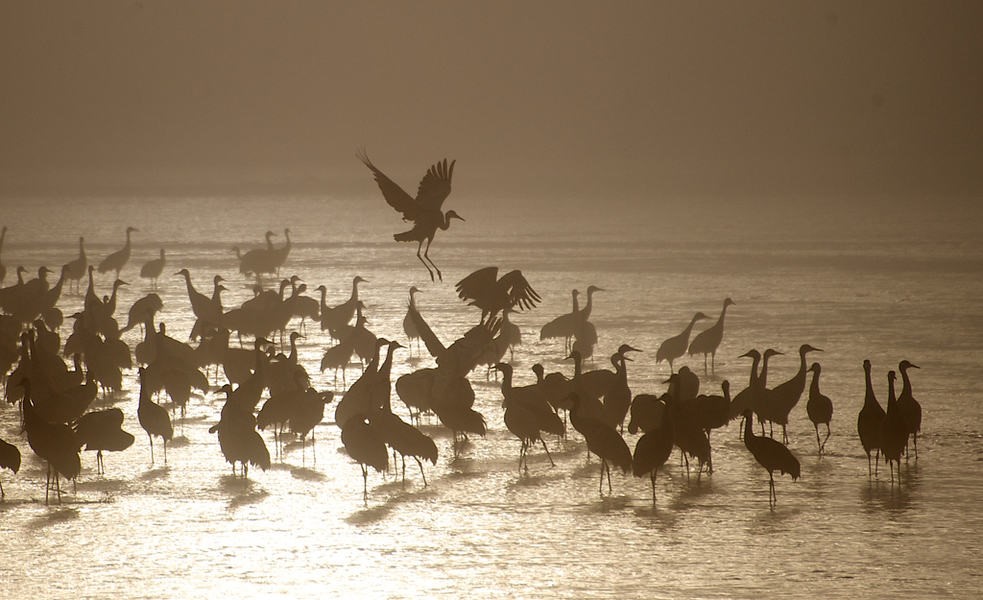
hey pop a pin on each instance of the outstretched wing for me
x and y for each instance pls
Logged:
(479, 284)
(394, 195)
(521, 294)
(435, 185)
(430, 339)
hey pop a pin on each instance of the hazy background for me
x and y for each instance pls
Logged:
(634, 102)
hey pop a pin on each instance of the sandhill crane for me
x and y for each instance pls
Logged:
(103, 430)
(258, 260)
(364, 444)
(781, 399)
(152, 269)
(153, 418)
(744, 399)
(9, 458)
(712, 411)
(708, 340)
(770, 454)
(117, 260)
(142, 311)
(911, 410)
(77, 268)
(409, 327)
(674, 347)
(335, 318)
(403, 438)
(819, 407)
(425, 210)
(617, 398)
(493, 294)
(56, 443)
(238, 439)
(602, 440)
(521, 421)
(869, 422)
(648, 411)
(278, 256)
(202, 306)
(894, 432)
(688, 429)
(652, 451)
(307, 414)
(563, 326)
(359, 398)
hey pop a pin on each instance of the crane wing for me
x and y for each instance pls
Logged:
(435, 185)
(479, 284)
(394, 195)
(430, 340)
(462, 356)
(521, 294)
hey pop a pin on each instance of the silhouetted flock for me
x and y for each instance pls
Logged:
(55, 397)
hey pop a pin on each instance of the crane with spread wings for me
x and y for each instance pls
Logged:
(425, 211)
(494, 294)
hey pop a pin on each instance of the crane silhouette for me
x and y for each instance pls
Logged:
(674, 347)
(911, 410)
(493, 294)
(152, 417)
(778, 402)
(819, 407)
(519, 419)
(56, 443)
(603, 440)
(238, 439)
(652, 450)
(770, 454)
(425, 211)
(364, 444)
(869, 422)
(103, 430)
(77, 268)
(153, 268)
(409, 327)
(894, 432)
(708, 340)
(117, 260)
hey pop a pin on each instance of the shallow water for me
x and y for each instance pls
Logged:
(302, 528)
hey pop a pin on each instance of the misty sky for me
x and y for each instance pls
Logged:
(638, 99)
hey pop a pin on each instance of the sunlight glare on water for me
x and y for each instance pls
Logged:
(189, 529)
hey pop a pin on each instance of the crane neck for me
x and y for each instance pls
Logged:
(753, 379)
(723, 313)
(905, 384)
(869, 397)
(892, 400)
(763, 375)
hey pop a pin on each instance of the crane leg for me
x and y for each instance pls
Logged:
(548, 455)
(420, 256)
(652, 478)
(426, 254)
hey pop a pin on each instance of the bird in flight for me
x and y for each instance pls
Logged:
(424, 211)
